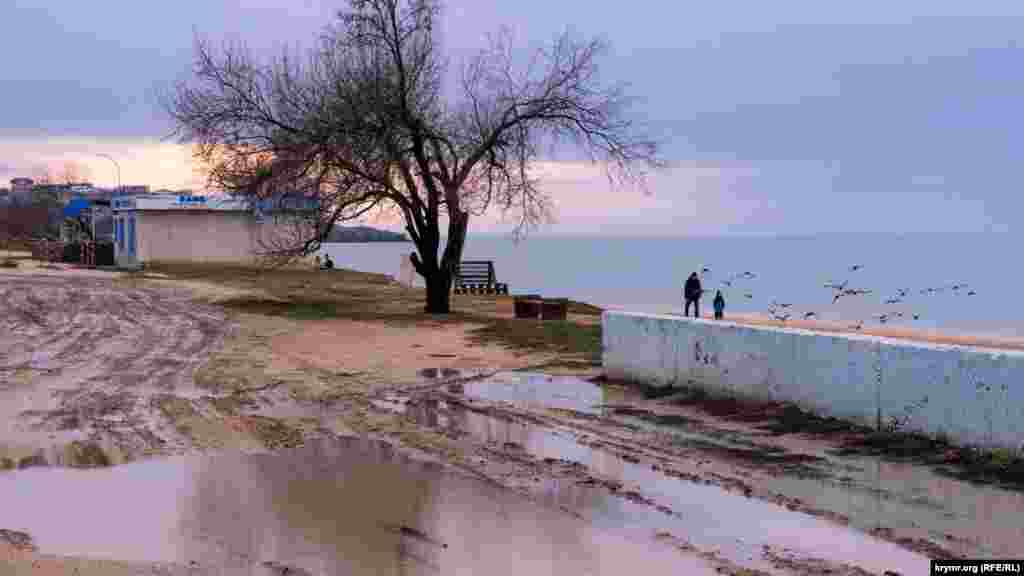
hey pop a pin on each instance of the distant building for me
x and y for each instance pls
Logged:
(21, 189)
(21, 184)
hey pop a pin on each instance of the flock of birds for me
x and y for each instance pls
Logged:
(782, 311)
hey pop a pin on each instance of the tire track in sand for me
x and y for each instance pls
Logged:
(82, 357)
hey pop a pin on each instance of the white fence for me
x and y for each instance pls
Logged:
(973, 395)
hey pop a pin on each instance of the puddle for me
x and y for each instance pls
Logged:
(871, 492)
(875, 494)
(344, 506)
(969, 520)
(539, 390)
(707, 516)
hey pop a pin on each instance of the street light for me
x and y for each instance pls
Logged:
(116, 165)
(119, 190)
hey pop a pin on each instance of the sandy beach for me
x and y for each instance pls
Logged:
(113, 374)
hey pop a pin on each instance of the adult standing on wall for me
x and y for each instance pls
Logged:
(691, 294)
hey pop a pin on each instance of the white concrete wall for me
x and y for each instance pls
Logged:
(973, 395)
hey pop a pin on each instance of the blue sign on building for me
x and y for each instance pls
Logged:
(191, 199)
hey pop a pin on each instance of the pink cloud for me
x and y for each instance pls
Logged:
(689, 198)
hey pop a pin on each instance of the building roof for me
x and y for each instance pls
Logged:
(166, 202)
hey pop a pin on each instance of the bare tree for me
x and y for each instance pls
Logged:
(364, 120)
(42, 175)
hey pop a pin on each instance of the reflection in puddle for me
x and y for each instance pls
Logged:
(344, 506)
(527, 388)
(969, 520)
(709, 517)
(871, 492)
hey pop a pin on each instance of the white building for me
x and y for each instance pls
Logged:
(164, 228)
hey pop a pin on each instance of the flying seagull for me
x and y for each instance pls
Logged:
(858, 325)
(856, 267)
(839, 287)
(748, 295)
(809, 315)
(972, 293)
(893, 301)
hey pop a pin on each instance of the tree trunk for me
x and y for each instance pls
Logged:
(439, 292)
(438, 276)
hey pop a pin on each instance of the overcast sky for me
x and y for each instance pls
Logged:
(783, 117)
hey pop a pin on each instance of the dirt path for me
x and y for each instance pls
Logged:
(82, 364)
(99, 371)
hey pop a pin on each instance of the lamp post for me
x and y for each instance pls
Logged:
(118, 167)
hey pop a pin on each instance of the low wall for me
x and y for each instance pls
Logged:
(974, 396)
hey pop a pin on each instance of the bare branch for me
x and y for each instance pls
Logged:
(360, 123)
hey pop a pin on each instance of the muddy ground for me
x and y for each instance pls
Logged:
(99, 370)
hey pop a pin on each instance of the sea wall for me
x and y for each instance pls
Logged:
(974, 396)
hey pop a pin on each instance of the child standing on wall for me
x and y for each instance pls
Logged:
(719, 305)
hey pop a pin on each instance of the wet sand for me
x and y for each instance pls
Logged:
(83, 361)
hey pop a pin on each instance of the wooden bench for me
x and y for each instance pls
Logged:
(477, 277)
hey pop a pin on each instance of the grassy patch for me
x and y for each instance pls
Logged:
(559, 336)
(309, 295)
(583, 309)
(247, 276)
(177, 410)
(231, 405)
(983, 466)
(86, 455)
(273, 433)
(303, 310)
(32, 461)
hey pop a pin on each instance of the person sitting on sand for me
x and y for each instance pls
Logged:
(719, 304)
(691, 293)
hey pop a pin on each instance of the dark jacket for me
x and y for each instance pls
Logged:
(692, 290)
(719, 302)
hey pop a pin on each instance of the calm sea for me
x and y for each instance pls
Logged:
(647, 274)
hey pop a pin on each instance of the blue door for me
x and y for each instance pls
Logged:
(131, 235)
